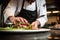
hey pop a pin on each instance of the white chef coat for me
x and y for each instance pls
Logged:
(41, 9)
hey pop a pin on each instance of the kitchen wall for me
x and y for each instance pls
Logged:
(52, 19)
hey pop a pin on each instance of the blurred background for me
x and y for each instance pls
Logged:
(53, 13)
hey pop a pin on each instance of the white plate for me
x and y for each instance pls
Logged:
(17, 30)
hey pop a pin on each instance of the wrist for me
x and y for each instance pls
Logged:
(38, 22)
(11, 17)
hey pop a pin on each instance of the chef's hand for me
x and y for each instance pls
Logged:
(35, 25)
(19, 19)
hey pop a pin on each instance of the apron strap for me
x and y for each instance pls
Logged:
(36, 5)
(22, 4)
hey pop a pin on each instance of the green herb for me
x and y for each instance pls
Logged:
(11, 27)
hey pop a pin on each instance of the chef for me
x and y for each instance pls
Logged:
(26, 11)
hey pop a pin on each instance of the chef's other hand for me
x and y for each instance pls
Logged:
(35, 25)
(19, 19)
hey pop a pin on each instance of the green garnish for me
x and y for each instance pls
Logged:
(11, 27)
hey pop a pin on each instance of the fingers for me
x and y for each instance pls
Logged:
(22, 20)
(19, 19)
(26, 22)
(34, 26)
(12, 18)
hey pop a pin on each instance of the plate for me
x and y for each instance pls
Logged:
(58, 28)
(18, 30)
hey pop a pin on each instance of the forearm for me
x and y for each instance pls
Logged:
(8, 12)
(42, 11)
(42, 20)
